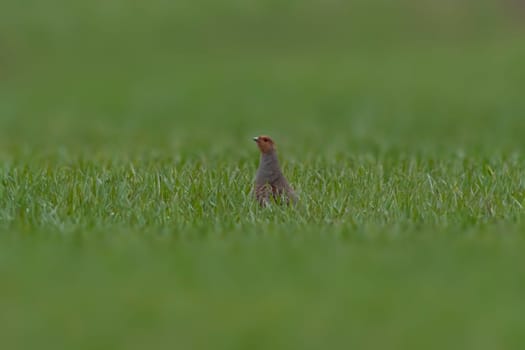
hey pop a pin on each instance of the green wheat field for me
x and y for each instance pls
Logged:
(126, 165)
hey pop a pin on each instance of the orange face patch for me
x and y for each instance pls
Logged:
(265, 143)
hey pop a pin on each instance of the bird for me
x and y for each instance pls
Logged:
(270, 182)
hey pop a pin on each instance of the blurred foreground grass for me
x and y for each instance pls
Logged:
(126, 165)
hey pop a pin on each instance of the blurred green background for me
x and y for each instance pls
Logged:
(126, 165)
(171, 74)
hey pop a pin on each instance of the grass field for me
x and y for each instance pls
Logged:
(126, 165)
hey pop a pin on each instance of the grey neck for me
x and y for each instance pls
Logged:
(269, 168)
(269, 159)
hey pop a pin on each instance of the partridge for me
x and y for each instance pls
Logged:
(270, 182)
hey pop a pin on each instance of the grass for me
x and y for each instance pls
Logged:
(126, 165)
(350, 193)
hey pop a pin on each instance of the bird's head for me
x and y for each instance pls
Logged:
(265, 143)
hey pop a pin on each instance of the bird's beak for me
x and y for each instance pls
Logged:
(255, 139)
